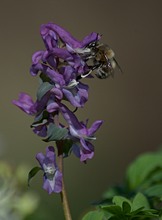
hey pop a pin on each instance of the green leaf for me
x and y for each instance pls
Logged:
(94, 215)
(140, 201)
(143, 214)
(156, 176)
(113, 209)
(115, 212)
(118, 200)
(142, 168)
(32, 173)
(55, 133)
(135, 212)
(146, 214)
(43, 89)
(126, 207)
(155, 191)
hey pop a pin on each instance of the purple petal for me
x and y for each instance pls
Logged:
(76, 150)
(95, 126)
(58, 182)
(57, 92)
(74, 100)
(79, 65)
(69, 74)
(40, 130)
(70, 117)
(61, 53)
(78, 95)
(37, 56)
(85, 156)
(50, 154)
(90, 38)
(40, 157)
(49, 37)
(48, 185)
(53, 185)
(51, 60)
(52, 107)
(25, 103)
(49, 157)
(54, 76)
(66, 37)
(35, 68)
(87, 152)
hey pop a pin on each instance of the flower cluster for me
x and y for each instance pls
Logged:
(60, 67)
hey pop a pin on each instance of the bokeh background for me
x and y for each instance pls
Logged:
(130, 104)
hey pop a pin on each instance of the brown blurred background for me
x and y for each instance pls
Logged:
(129, 104)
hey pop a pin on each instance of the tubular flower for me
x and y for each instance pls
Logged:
(80, 134)
(25, 103)
(51, 33)
(62, 49)
(52, 176)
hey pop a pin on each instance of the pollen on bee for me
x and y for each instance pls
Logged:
(110, 54)
(113, 64)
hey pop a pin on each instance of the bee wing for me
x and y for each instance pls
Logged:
(118, 65)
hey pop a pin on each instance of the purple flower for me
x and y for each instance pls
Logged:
(61, 44)
(40, 130)
(47, 62)
(66, 87)
(74, 91)
(41, 123)
(52, 175)
(25, 103)
(83, 137)
(43, 59)
(80, 134)
(51, 33)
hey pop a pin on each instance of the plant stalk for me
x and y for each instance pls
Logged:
(63, 193)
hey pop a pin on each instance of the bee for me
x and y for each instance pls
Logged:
(103, 60)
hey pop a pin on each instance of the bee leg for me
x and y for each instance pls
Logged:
(92, 56)
(86, 74)
(91, 70)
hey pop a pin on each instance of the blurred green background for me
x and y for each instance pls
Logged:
(129, 104)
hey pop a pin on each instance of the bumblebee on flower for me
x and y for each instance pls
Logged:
(61, 67)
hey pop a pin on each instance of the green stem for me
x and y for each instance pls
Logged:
(63, 193)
